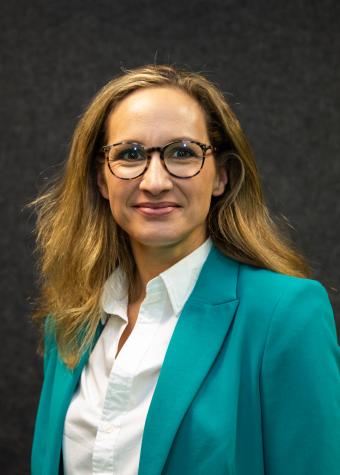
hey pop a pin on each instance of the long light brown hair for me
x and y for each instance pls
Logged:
(78, 242)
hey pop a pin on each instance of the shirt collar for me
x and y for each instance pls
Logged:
(115, 295)
(178, 280)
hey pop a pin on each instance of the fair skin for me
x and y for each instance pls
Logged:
(154, 117)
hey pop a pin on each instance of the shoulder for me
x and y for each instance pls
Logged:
(50, 344)
(279, 309)
(271, 289)
(273, 283)
(266, 297)
(296, 313)
(263, 288)
(49, 333)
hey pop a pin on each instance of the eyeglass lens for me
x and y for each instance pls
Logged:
(182, 159)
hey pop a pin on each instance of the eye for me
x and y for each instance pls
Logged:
(183, 151)
(128, 153)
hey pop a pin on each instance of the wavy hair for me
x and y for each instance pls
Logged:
(78, 242)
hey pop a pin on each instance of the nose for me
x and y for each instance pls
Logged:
(156, 179)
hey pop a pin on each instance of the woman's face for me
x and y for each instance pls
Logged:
(154, 117)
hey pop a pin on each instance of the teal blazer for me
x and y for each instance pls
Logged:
(249, 384)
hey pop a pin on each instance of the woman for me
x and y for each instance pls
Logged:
(182, 333)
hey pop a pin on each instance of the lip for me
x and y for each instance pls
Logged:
(156, 209)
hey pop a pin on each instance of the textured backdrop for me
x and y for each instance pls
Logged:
(277, 63)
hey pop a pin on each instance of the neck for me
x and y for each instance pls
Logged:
(151, 261)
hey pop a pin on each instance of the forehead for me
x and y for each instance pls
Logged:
(156, 113)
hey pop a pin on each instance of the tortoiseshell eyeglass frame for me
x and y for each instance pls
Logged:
(204, 147)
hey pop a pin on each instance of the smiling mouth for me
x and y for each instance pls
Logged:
(156, 209)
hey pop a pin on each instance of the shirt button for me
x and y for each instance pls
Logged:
(107, 427)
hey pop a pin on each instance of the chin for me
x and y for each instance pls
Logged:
(186, 241)
(157, 241)
(170, 236)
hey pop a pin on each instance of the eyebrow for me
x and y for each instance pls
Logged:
(174, 139)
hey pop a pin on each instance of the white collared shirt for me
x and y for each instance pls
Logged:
(105, 420)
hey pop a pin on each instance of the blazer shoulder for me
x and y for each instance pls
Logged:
(264, 294)
(50, 343)
(271, 285)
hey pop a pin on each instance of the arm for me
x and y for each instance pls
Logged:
(41, 427)
(300, 387)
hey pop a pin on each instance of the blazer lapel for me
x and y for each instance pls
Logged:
(195, 343)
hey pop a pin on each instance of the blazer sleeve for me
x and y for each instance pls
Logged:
(300, 385)
(42, 417)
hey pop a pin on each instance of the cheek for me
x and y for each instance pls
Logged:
(200, 200)
(117, 197)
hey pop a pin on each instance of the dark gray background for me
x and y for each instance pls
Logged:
(277, 63)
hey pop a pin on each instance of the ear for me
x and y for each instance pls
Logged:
(220, 182)
(102, 185)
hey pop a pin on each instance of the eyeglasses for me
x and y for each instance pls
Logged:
(182, 159)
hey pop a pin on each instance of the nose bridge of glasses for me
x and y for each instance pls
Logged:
(159, 157)
(149, 151)
(155, 166)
